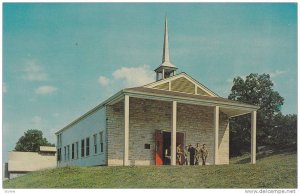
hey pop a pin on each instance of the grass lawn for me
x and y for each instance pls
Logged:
(271, 171)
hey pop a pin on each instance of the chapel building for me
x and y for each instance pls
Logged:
(144, 125)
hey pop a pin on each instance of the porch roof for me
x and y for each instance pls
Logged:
(229, 107)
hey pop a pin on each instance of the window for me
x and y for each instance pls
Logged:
(82, 148)
(58, 154)
(68, 152)
(76, 150)
(147, 146)
(87, 146)
(101, 141)
(95, 143)
(72, 151)
(65, 152)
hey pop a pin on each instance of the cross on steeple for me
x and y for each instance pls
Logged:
(166, 69)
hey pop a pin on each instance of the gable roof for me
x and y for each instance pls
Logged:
(189, 80)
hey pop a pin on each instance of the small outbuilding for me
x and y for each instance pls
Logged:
(20, 163)
(144, 125)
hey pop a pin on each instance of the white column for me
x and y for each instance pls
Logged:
(173, 133)
(163, 73)
(253, 137)
(216, 130)
(126, 131)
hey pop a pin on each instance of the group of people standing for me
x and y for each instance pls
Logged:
(191, 155)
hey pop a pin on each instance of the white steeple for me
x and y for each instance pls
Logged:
(166, 69)
(166, 55)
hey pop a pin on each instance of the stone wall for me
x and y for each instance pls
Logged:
(147, 116)
(115, 133)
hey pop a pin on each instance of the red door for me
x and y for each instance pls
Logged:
(158, 147)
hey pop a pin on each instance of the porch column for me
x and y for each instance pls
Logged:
(126, 131)
(253, 137)
(216, 130)
(173, 133)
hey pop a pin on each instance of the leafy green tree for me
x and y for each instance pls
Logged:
(257, 90)
(284, 132)
(31, 141)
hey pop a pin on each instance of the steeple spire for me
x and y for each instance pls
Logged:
(166, 55)
(166, 69)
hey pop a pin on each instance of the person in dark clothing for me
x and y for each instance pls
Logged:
(192, 154)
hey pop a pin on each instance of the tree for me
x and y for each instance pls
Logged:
(285, 131)
(257, 90)
(31, 141)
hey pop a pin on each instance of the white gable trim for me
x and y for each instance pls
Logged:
(189, 100)
(170, 79)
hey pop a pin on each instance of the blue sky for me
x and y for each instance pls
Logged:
(60, 60)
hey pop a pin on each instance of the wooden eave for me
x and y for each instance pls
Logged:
(183, 74)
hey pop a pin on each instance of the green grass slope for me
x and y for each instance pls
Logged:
(273, 171)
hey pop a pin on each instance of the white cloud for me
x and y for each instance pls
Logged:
(56, 114)
(277, 73)
(229, 80)
(4, 88)
(45, 89)
(34, 72)
(104, 81)
(36, 121)
(134, 76)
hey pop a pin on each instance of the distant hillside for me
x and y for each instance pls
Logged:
(271, 171)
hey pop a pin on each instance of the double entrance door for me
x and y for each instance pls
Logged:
(163, 146)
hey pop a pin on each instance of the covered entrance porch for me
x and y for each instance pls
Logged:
(176, 107)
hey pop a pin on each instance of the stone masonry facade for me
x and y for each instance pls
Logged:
(147, 116)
